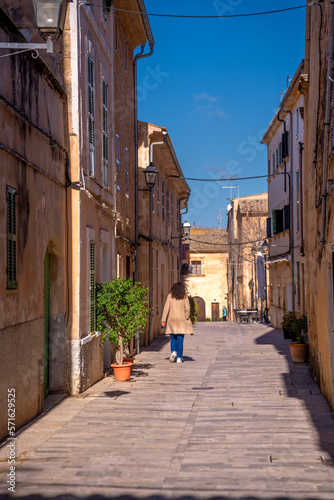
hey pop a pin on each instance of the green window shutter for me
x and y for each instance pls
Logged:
(11, 238)
(92, 287)
(105, 145)
(273, 218)
(91, 116)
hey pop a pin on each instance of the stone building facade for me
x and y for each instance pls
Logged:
(207, 283)
(247, 229)
(33, 275)
(159, 255)
(317, 86)
(99, 81)
(286, 259)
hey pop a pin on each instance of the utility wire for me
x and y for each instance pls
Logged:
(196, 17)
(223, 244)
(219, 179)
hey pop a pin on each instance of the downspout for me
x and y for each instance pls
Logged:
(301, 206)
(141, 55)
(329, 87)
(291, 212)
(180, 231)
(150, 251)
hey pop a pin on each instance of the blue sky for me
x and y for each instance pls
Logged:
(215, 84)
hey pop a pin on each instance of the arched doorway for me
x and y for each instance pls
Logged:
(201, 308)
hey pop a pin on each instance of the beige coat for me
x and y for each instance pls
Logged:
(176, 315)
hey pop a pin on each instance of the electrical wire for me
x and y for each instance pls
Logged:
(219, 179)
(225, 244)
(180, 16)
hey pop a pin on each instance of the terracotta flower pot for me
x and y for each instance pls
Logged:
(122, 372)
(299, 352)
(129, 360)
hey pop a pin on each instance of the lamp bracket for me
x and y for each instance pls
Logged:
(23, 47)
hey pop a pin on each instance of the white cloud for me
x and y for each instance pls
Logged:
(206, 97)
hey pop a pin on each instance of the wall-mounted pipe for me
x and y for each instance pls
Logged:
(301, 204)
(329, 87)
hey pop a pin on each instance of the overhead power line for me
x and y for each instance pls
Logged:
(220, 179)
(224, 244)
(185, 16)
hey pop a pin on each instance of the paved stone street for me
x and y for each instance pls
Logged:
(236, 420)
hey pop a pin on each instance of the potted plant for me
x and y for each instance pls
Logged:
(122, 310)
(286, 324)
(300, 348)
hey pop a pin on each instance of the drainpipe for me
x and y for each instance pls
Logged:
(329, 87)
(291, 212)
(180, 231)
(141, 55)
(301, 206)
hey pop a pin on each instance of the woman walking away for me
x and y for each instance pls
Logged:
(176, 318)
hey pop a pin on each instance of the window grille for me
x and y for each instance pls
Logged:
(92, 287)
(106, 7)
(105, 145)
(91, 116)
(11, 238)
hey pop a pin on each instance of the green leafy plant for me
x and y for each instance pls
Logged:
(193, 309)
(299, 329)
(287, 320)
(122, 309)
(207, 319)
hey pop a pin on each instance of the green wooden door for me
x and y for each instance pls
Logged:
(46, 320)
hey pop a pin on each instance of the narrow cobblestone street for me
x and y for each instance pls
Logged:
(236, 420)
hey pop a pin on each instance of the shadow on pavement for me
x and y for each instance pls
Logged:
(154, 497)
(157, 343)
(300, 384)
(113, 394)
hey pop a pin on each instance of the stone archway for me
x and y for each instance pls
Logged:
(201, 308)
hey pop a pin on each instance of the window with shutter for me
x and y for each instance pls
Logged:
(91, 116)
(105, 145)
(196, 267)
(297, 201)
(285, 144)
(277, 221)
(163, 200)
(127, 184)
(118, 171)
(92, 287)
(11, 238)
(286, 217)
(269, 227)
(269, 167)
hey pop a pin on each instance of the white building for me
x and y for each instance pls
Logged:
(285, 230)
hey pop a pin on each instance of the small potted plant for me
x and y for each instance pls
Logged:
(122, 310)
(300, 348)
(286, 324)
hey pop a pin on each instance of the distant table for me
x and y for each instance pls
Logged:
(245, 315)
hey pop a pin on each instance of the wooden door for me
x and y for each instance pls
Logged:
(46, 320)
(215, 311)
(201, 308)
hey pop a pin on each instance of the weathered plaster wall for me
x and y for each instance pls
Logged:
(319, 259)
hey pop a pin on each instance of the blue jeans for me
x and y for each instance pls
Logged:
(176, 343)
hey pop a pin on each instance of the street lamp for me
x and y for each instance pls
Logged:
(150, 173)
(50, 19)
(186, 228)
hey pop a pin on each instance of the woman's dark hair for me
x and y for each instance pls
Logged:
(179, 290)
